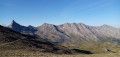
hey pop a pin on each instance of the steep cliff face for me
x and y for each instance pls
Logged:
(78, 32)
(70, 32)
(52, 33)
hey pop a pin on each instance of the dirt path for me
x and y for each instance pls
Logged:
(12, 41)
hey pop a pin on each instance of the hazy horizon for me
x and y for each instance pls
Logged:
(37, 12)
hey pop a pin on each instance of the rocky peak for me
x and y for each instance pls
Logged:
(46, 25)
(81, 23)
(30, 26)
(13, 24)
(107, 27)
(66, 24)
(13, 21)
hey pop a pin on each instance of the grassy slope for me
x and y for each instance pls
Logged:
(96, 48)
(18, 53)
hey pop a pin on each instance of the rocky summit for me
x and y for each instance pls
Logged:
(70, 32)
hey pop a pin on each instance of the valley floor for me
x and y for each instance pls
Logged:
(17, 53)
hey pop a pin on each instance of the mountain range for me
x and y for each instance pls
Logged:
(70, 32)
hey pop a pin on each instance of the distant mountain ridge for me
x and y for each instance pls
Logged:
(70, 32)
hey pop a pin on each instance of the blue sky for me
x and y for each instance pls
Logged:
(37, 12)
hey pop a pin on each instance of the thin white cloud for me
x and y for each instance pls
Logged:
(3, 24)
